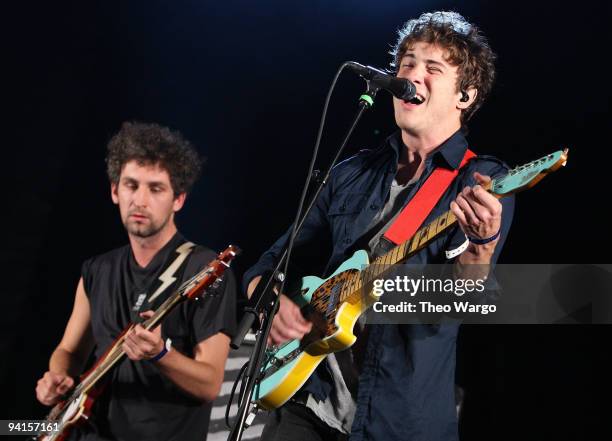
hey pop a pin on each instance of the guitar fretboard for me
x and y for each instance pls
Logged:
(190, 289)
(399, 253)
(116, 353)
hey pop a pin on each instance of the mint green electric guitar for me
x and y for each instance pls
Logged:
(334, 304)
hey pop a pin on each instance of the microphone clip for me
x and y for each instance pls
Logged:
(367, 98)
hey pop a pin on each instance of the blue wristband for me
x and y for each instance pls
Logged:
(476, 241)
(163, 352)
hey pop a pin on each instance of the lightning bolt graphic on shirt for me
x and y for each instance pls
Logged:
(167, 277)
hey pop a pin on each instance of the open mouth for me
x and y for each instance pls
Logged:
(418, 99)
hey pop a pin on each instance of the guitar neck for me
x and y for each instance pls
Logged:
(409, 248)
(499, 187)
(190, 288)
(399, 253)
(517, 179)
(193, 288)
(116, 352)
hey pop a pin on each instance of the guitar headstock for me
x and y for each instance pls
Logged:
(528, 175)
(212, 274)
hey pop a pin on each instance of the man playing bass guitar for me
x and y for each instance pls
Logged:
(163, 389)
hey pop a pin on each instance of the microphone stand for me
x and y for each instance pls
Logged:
(267, 301)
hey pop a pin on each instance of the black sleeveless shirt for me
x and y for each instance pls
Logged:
(139, 402)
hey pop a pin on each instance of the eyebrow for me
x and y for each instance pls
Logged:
(429, 61)
(149, 183)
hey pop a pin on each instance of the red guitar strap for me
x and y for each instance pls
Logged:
(419, 207)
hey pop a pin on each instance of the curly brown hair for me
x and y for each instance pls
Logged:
(465, 48)
(148, 144)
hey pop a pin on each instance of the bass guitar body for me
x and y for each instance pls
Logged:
(72, 413)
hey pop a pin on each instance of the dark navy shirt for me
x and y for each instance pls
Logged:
(406, 386)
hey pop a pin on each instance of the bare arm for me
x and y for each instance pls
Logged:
(69, 357)
(200, 377)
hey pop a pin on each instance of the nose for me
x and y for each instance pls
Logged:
(141, 196)
(416, 74)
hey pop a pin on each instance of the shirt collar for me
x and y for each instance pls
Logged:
(160, 257)
(449, 154)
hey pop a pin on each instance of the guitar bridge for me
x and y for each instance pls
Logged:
(276, 363)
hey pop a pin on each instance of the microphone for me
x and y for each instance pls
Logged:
(400, 88)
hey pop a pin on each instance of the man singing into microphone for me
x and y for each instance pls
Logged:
(397, 382)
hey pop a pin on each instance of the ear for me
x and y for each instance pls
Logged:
(179, 201)
(471, 92)
(114, 195)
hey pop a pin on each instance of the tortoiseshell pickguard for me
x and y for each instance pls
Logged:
(326, 300)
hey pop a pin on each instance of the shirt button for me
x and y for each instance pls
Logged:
(347, 240)
(373, 207)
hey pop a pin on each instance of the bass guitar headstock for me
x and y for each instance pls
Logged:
(211, 276)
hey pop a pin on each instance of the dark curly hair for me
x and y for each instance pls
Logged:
(465, 48)
(154, 144)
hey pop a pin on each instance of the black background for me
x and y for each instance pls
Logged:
(245, 82)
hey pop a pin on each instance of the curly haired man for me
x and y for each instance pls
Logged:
(163, 389)
(397, 382)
